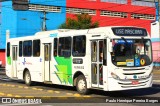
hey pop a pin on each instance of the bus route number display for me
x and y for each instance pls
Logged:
(129, 31)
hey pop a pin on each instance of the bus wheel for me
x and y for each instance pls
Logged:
(27, 78)
(81, 85)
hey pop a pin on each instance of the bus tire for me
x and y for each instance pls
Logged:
(27, 78)
(81, 85)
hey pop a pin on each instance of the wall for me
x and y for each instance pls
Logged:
(119, 7)
(2, 57)
(155, 42)
(24, 23)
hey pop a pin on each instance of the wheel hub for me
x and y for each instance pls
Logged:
(81, 85)
(27, 78)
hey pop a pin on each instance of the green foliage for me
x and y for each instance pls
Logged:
(82, 21)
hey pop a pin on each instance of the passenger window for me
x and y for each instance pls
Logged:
(36, 48)
(94, 51)
(55, 47)
(64, 47)
(20, 49)
(27, 48)
(8, 49)
(79, 46)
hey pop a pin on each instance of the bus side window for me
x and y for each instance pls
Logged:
(94, 51)
(8, 49)
(36, 48)
(64, 47)
(105, 52)
(101, 51)
(55, 47)
(20, 48)
(27, 48)
(79, 46)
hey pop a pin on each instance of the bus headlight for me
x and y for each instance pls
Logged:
(115, 76)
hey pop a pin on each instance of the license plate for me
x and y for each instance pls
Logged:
(135, 82)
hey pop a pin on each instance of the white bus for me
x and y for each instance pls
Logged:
(105, 58)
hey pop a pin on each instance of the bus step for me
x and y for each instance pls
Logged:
(48, 82)
(97, 88)
(15, 78)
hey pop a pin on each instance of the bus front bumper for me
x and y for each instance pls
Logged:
(117, 85)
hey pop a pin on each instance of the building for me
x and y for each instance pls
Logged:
(115, 12)
(106, 12)
(141, 13)
(155, 36)
(28, 22)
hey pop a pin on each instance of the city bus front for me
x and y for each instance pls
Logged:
(131, 62)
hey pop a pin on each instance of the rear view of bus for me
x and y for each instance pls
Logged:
(131, 59)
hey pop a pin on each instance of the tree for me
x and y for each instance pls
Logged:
(82, 21)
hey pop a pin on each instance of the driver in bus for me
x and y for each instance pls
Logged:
(122, 50)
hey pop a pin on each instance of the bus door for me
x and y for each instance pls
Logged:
(14, 62)
(47, 60)
(97, 63)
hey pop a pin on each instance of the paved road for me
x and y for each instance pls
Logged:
(54, 93)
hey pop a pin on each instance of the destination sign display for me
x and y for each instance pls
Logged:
(129, 31)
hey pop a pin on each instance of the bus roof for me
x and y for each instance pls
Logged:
(107, 31)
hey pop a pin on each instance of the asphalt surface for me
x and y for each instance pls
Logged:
(68, 96)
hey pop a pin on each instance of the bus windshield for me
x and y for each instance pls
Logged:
(131, 52)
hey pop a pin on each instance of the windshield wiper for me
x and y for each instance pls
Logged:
(125, 42)
(124, 39)
(142, 40)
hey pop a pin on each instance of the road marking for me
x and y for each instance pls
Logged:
(156, 80)
(56, 91)
(18, 96)
(20, 86)
(2, 93)
(51, 91)
(12, 85)
(77, 95)
(29, 96)
(34, 88)
(9, 95)
(26, 87)
(8, 85)
(86, 96)
(40, 89)
(69, 93)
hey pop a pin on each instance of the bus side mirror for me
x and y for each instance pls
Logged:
(110, 47)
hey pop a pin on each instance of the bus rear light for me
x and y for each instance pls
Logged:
(115, 76)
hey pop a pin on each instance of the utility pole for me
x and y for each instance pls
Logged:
(44, 27)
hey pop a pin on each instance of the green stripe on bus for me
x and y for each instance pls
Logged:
(9, 60)
(64, 69)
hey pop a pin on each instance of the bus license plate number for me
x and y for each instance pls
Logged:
(135, 82)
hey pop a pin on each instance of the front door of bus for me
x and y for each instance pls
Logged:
(96, 63)
(47, 59)
(14, 62)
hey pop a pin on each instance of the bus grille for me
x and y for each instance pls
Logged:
(134, 69)
(132, 86)
(129, 84)
(134, 73)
